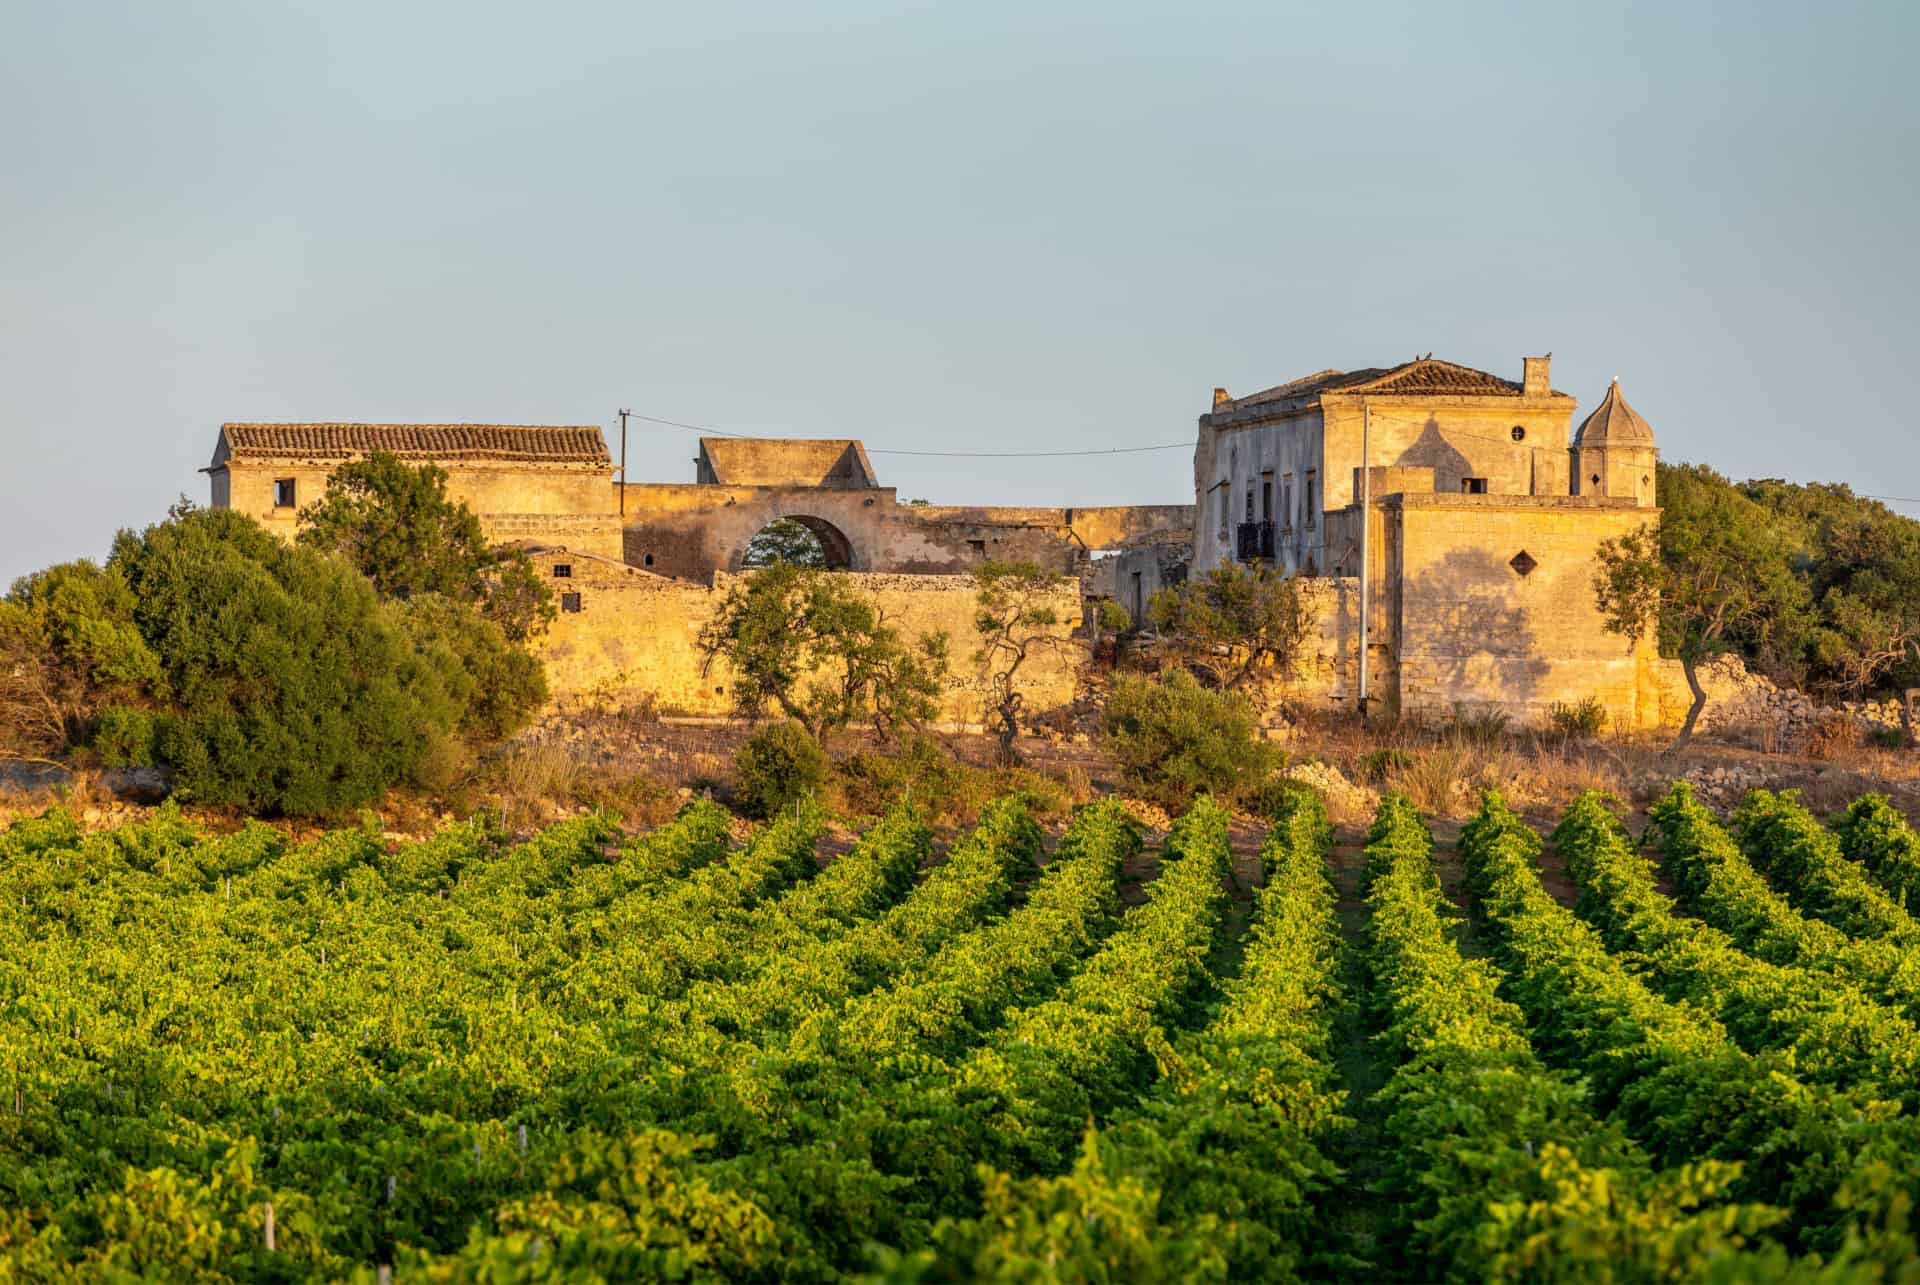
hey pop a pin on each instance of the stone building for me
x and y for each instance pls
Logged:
(1484, 525)
(1482, 533)
(526, 482)
(639, 567)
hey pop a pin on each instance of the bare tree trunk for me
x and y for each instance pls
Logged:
(1693, 710)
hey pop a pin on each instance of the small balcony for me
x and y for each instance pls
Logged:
(1254, 541)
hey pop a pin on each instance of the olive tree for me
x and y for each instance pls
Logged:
(1016, 619)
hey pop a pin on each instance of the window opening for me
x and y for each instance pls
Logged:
(563, 570)
(1306, 494)
(979, 548)
(1266, 497)
(1523, 563)
(569, 602)
(1519, 433)
(1473, 486)
(283, 493)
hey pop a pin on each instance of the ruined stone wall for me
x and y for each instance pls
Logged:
(1472, 630)
(636, 634)
(693, 530)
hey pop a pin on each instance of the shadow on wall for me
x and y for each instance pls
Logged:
(1434, 451)
(1466, 636)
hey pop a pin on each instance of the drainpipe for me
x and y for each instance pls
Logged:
(1366, 532)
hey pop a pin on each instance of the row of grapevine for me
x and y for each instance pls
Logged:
(1501, 1169)
(1836, 1033)
(1872, 832)
(1718, 883)
(1803, 859)
(1216, 1174)
(974, 883)
(1844, 1166)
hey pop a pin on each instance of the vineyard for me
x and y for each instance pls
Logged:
(1011, 1055)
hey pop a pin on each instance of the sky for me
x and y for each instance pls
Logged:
(974, 226)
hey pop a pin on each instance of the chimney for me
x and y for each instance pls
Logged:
(1535, 382)
(1220, 396)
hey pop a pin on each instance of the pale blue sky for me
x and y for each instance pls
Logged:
(964, 226)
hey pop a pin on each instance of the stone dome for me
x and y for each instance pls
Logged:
(1613, 423)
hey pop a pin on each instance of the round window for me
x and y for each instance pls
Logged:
(1519, 433)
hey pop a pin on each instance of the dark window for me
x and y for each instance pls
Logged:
(1523, 563)
(283, 493)
(648, 560)
(1286, 501)
(1307, 495)
(564, 570)
(1249, 501)
(979, 548)
(1473, 486)
(1519, 433)
(569, 602)
(1266, 497)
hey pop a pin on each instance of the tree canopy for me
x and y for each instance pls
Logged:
(1255, 616)
(806, 642)
(396, 524)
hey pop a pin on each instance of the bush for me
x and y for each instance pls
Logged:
(127, 737)
(943, 787)
(1581, 721)
(1277, 796)
(494, 685)
(294, 688)
(778, 765)
(1174, 739)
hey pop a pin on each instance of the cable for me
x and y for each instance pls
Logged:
(1120, 450)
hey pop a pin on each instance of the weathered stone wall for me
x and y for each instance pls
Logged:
(1472, 630)
(637, 634)
(494, 492)
(692, 530)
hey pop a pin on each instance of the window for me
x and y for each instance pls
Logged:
(569, 602)
(563, 570)
(1519, 433)
(979, 548)
(1523, 563)
(648, 560)
(1249, 501)
(1266, 497)
(283, 493)
(1306, 494)
(1473, 486)
(1286, 500)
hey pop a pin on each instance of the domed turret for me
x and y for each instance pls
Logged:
(1614, 453)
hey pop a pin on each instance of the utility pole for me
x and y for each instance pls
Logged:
(1366, 533)
(623, 461)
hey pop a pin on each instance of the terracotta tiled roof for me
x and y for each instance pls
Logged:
(1613, 423)
(1422, 377)
(533, 443)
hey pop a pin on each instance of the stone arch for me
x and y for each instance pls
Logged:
(839, 550)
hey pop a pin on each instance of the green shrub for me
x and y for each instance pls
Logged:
(1276, 797)
(946, 789)
(1174, 739)
(127, 737)
(1582, 721)
(295, 689)
(778, 765)
(494, 685)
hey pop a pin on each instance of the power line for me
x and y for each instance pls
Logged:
(1111, 450)
(952, 455)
